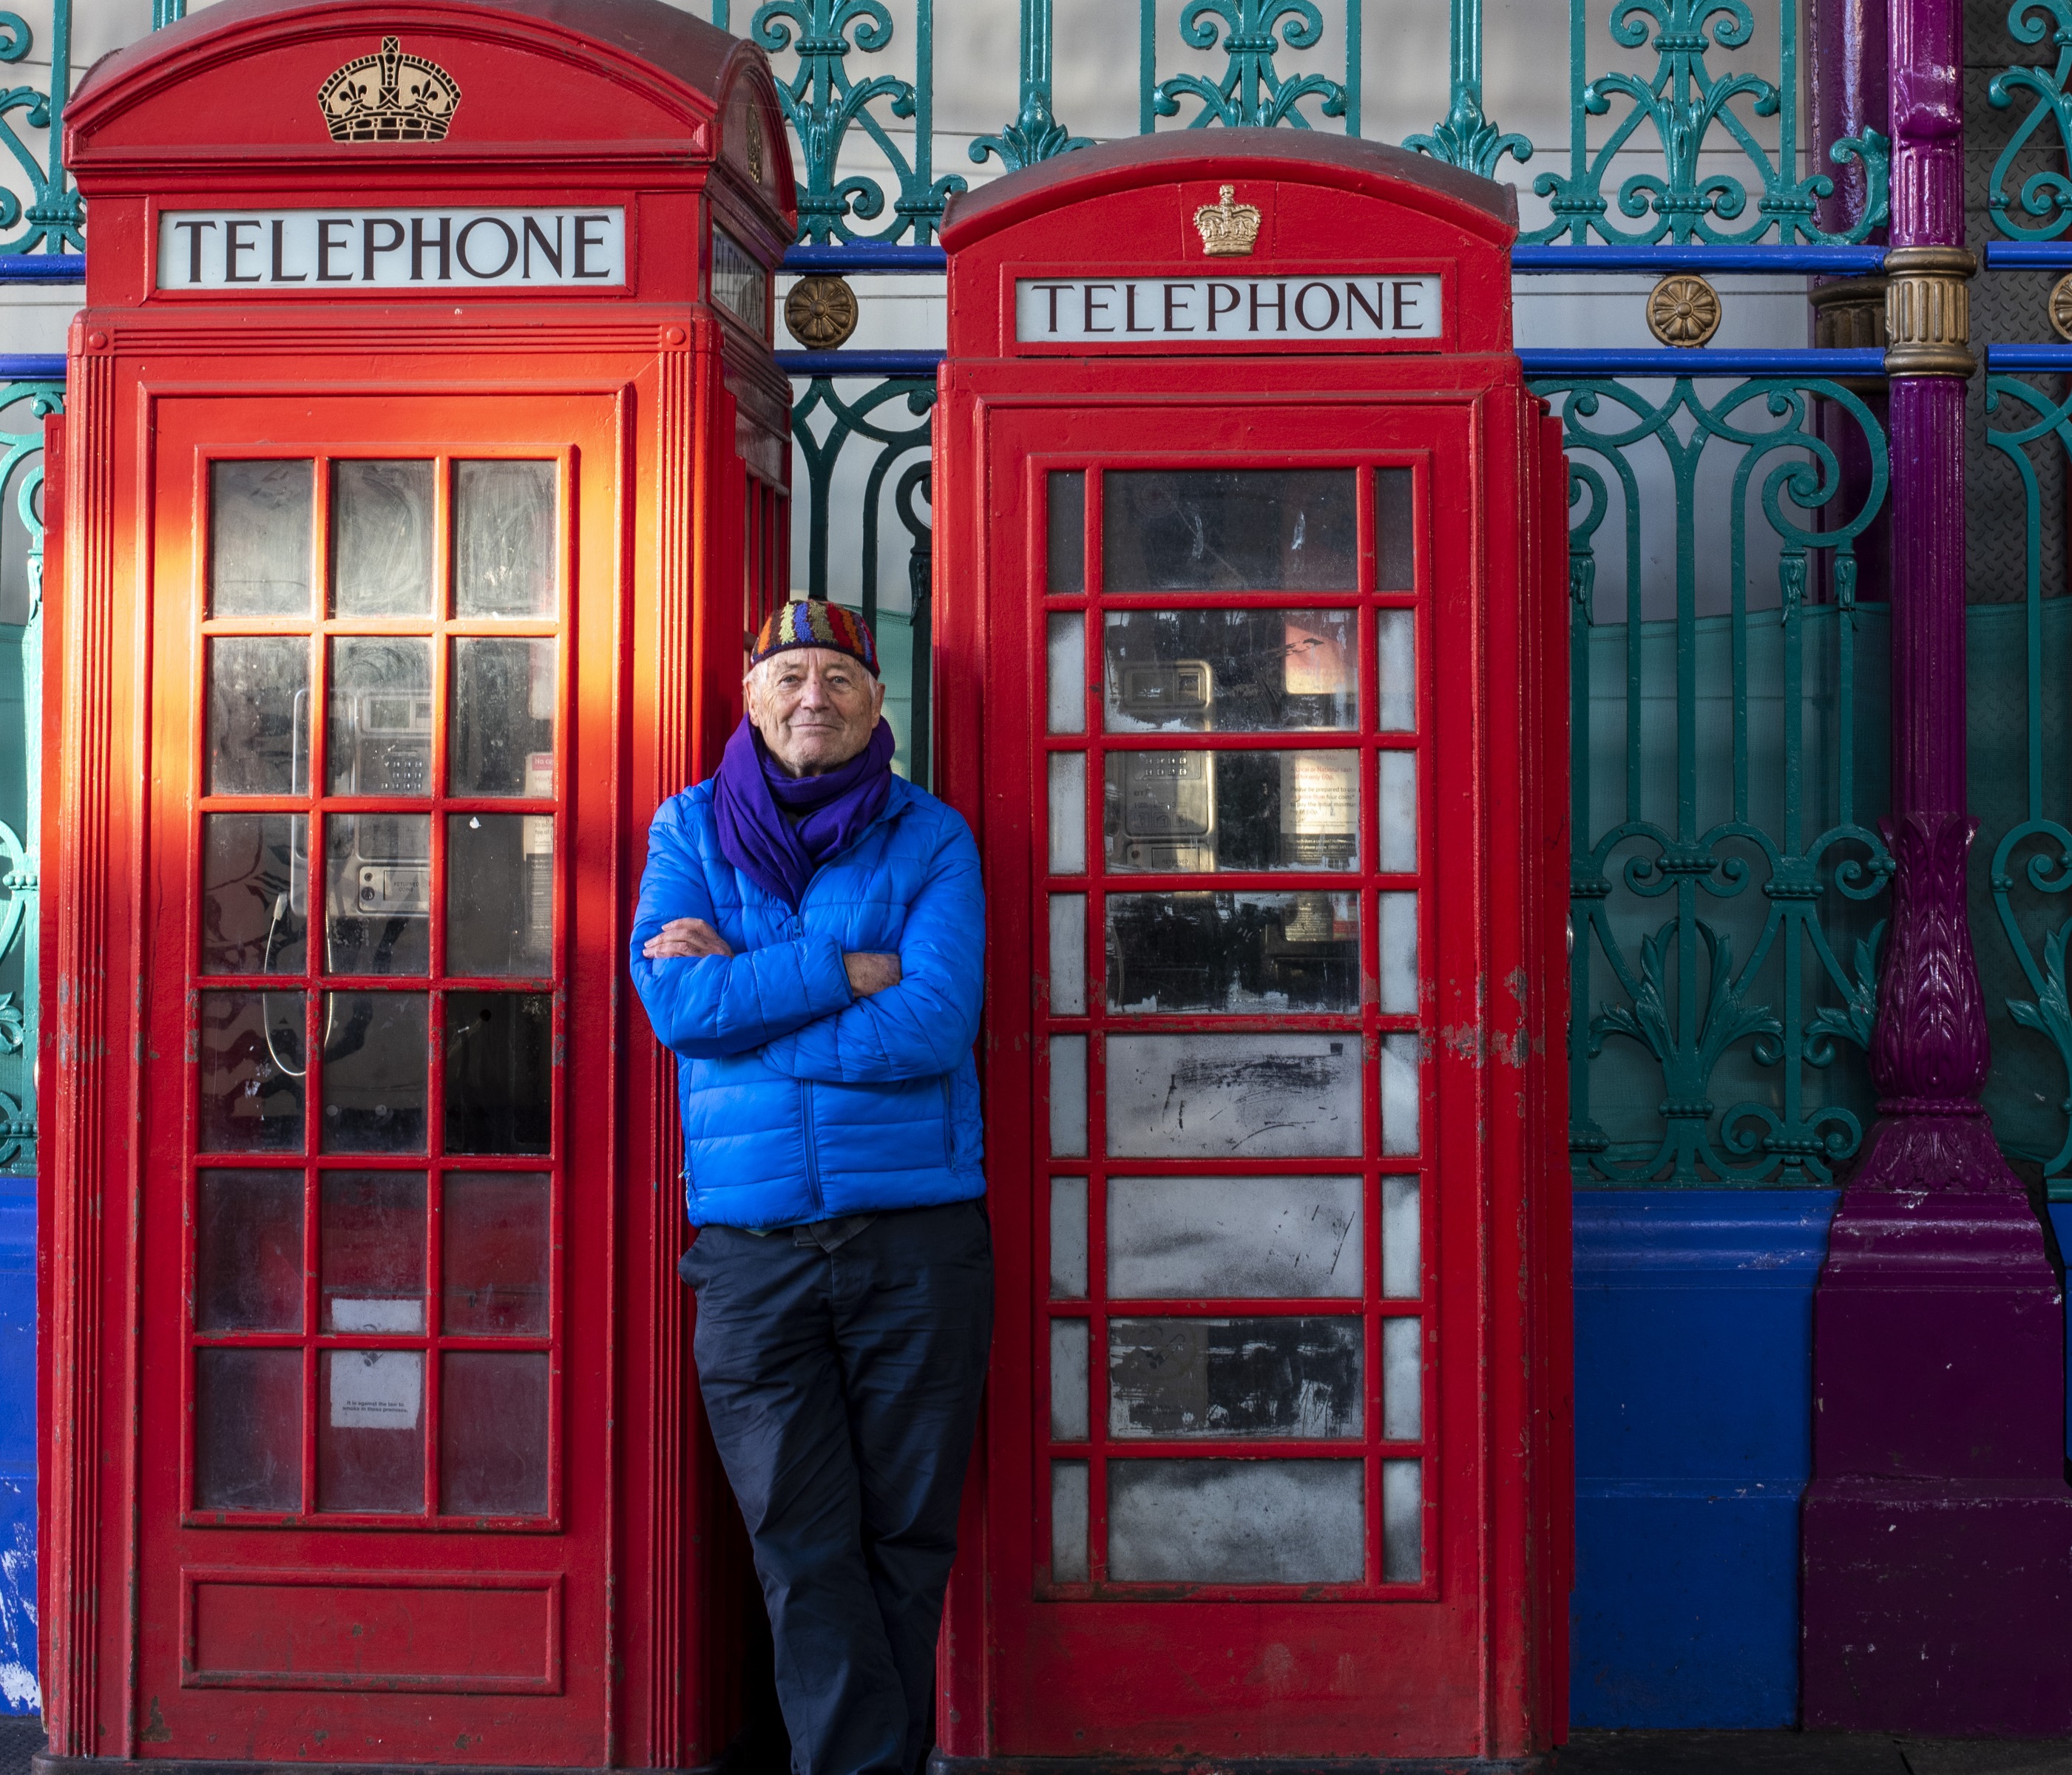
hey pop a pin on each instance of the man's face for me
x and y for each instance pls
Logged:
(815, 709)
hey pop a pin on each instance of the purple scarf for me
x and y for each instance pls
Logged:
(778, 829)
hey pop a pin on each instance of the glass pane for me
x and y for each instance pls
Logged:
(1398, 955)
(375, 1072)
(1229, 530)
(252, 1072)
(378, 889)
(1069, 1346)
(249, 1250)
(1235, 671)
(1258, 952)
(1399, 1055)
(1068, 1239)
(254, 893)
(1233, 1377)
(1195, 812)
(1394, 530)
(1395, 634)
(503, 538)
(1068, 1521)
(370, 1430)
(259, 716)
(1402, 1380)
(1402, 1258)
(1236, 1521)
(1234, 1096)
(1403, 1522)
(1068, 813)
(499, 894)
(503, 715)
(498, 1239)
(381, 538)
(1399, 812)
(1066, 675)
(1067, 549)
(378, 734)
(370, 1250)
(499, 1081)
(1068, 1096)
(259, 538)
(1209, 1239)
(493, 1434)
(248, 1429)
(1068, 955)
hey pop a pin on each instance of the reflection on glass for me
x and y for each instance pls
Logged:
(1401, 1260)
(1264, 1377)
(1396, 637)
(1236, 1521)
(1276, 1095)
(493, 1433)
(1068, 1521)
(1067, 549)
(254, 893)
(496, 1226)
(377, 884)
(1068, 1096)
(498, 1072)
(1399, 1055)
(1399, 812)
(1068, 1239)
(499, 894)
(1240, 951)
(1398, 955)
(1403, 1522)
(249, 1250)
(1229, 530)
(370, 1250)
(1064, 667)
(1068, 955)
(370, 1430)
(500, 735)
(258, 715)
(1395, 531)
(259, 538)
(252, 1068)
(1068, 813)
(248, 1429)
(378, 733)
(374, 1072)
(381, 538)
(503, 538)
(1069, 1346)
(1210, 1238)
(1233, 672)
(1402, 1381)
(1197, 813)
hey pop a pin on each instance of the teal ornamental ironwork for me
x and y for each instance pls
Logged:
(2043, 210)
(1035, 134)
(1466, 138)
(54, 220)
(1253, 90)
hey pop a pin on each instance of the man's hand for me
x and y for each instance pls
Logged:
(870, 972)
(682, 937)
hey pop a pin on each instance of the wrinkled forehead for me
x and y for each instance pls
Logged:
(807, 660)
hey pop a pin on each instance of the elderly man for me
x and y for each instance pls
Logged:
(809, 942)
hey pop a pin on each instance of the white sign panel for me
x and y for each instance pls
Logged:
(377, 1389)
(1289, 310)
(309, 251)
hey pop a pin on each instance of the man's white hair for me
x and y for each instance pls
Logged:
(753, 675)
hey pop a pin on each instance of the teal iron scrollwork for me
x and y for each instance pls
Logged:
(1465, 136)
(54, 220)
(1035, 134)
(1252, 90)
(2043, 210)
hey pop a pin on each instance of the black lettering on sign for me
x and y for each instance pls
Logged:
(551, 254)
(367, 228)
(1216, 308)
(280, 272)
(510, 246)
(420, 240)
(1279, 307)
(1302, 307)
(586, 242)
(234, 246)
(193, 247)
(1172, 323)
(1087, 291)
(1130, 325)
(327, 246)
(1373, 310)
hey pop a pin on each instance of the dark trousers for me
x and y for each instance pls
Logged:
(842, 1388)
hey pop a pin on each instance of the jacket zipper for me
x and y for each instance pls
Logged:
(812, 1150)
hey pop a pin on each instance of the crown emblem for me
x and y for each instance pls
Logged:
(389, 97)
(1227, 227)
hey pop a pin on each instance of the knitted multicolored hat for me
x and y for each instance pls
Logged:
(811, 623)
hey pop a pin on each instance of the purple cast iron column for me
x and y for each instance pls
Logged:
(1937, 1579)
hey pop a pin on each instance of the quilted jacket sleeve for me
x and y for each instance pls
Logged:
(704, 1007)
(927, 1024)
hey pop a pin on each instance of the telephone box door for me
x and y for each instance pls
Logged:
(377, 1218)
(1235, 1449)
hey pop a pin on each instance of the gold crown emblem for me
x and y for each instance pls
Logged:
(389, 97)
(1226, 226)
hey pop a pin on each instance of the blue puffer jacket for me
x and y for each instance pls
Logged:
(800, 1101)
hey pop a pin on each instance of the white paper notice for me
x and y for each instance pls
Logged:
(1319, 794)
(377, 1315)
(377, 1389)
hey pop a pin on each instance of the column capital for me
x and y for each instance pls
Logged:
(1928, 311)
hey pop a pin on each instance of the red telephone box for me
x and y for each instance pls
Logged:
(424, 462)
(1253, 543)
